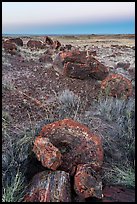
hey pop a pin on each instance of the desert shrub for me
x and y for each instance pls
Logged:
(114, 120)
(69, 104)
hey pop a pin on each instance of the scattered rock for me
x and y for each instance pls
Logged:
(10, 47)
(74, 141)
(17, 41)
(76, 70)
(48, 40)
(124, 65)
(47, 153)
(35, 44)
(117, 86)
(48, 186)
(87, 183)
(56, 44)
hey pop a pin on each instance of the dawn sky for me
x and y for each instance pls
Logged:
(68, 17)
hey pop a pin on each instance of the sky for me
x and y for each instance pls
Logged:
(68, 18)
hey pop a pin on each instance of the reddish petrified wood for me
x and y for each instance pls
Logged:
(17, 41)
(48, 40)
(48, 154)
(87, 183)
(56, 44)
(49, 186)
(98, 70)
(76, 143)
(34, 44)
(117, 85)
(76, 70)
(10, 47)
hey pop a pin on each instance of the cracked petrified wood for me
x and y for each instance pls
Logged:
(79, 64)
(87, 183)
(49, 186)
(117, 85)
(76, 143)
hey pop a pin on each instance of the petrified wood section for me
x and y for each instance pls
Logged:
(87, 183)
(75, 142)
(98, 70)
(17, 41)
(56, 44)
(117, 86)
(34, 44)
(79, 62)
(48, 154)
(76, 70)
(10, 47)
(48, 40)
(49, 186)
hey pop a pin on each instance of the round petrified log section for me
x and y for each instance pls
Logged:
(74, 141)
(49, 186)
(17, 41)
(87, 183)
(37, 44)
(117, 86)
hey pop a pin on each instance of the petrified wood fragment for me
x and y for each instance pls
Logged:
(87, 183)
(74, 141)
(117, 86)
(48, 186)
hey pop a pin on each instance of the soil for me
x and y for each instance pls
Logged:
(30, 88)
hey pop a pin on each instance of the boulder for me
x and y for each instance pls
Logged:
(46, 59)
(49, 186)
(124, 65)
(117, 85)
(87, 183)
(76, 70)
(35, 44)
(10, 47)
(47, 153)
(76, 62)
(76, 143)
(48, 40)
(17, 41)
(56, 44)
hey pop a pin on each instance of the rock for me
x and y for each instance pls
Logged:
(124, 65)
(76, 70)
(74, 141)
(46, 59)
(74, 56)
(118, 194)
(87, 183)
(17, 41)
(71, 63)
(92, 52)
(48, 40)
(117, 86)
(10, 47)
(56, 44)
(68, 47)
(47, 153)
(98, 70)
(48, 186)
(35, 44)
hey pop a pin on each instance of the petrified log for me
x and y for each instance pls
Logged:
(48, 186)
(56, 44)
(17, 41)
(47, 153)
(76, 70)
(76, 143)
(10, 47)
(87, 183)
(35, 44)
(48, 40)
(117, 86)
